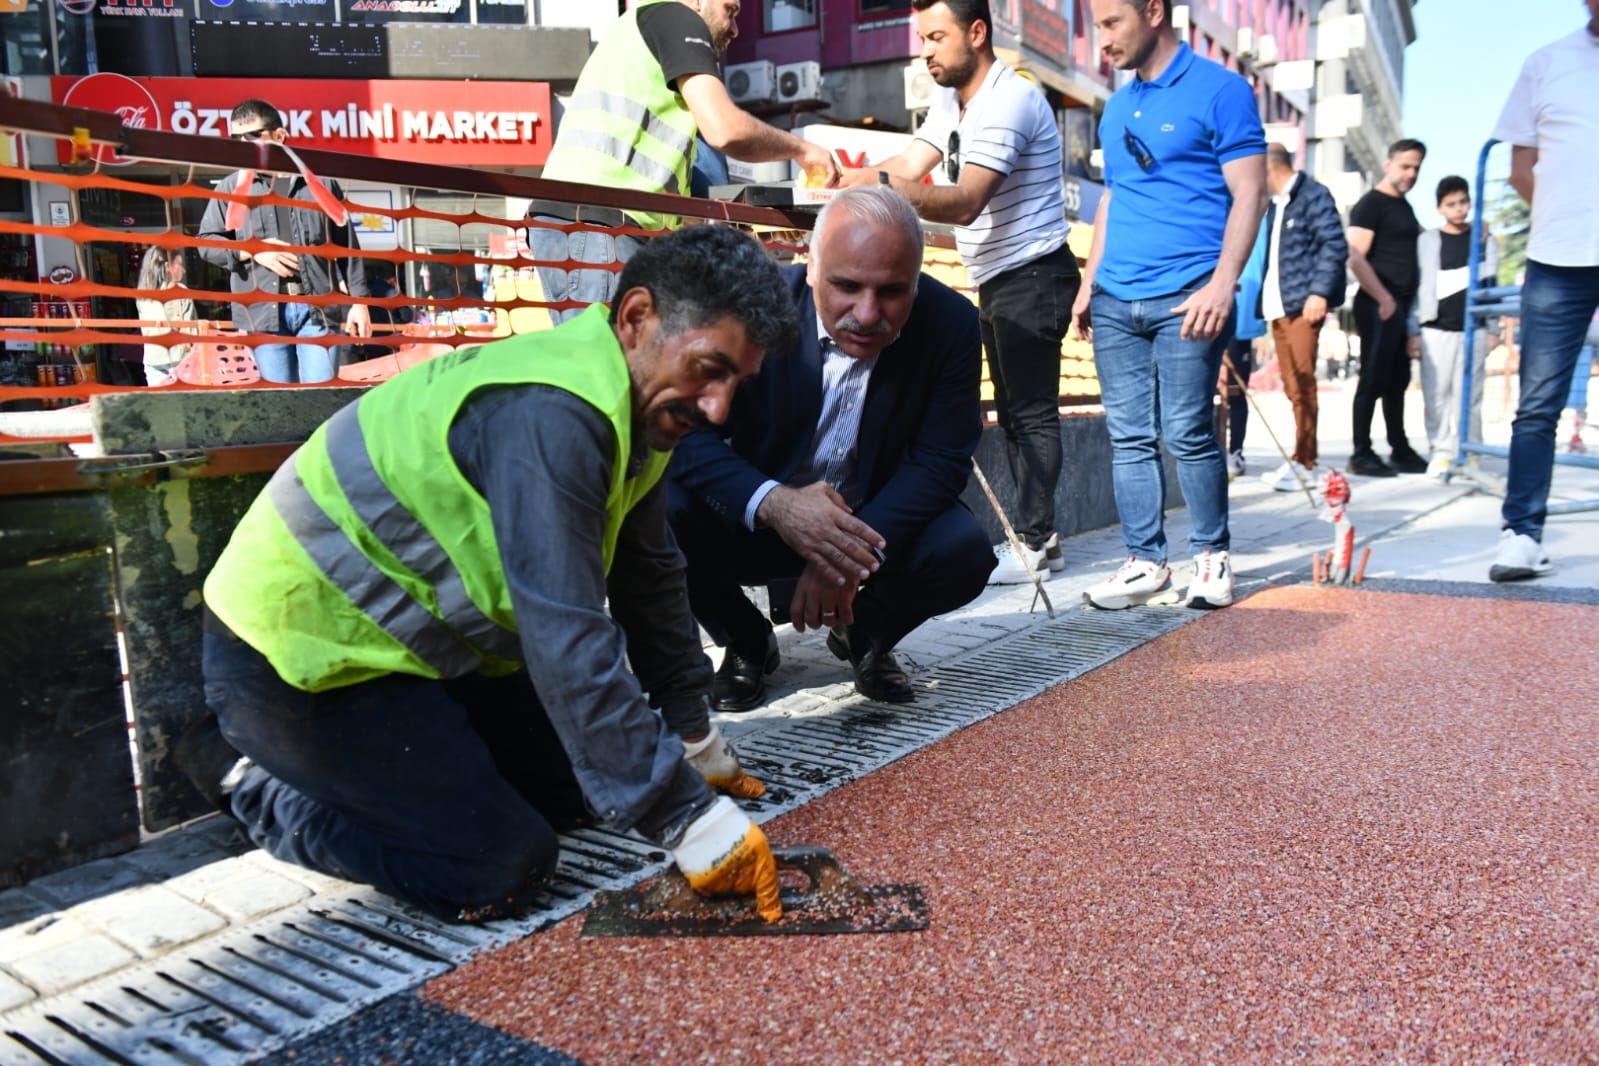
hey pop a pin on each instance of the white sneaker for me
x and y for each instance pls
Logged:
(1019, 570)
(1284, 478)
(1519, 558)
(1438, 468)
(1235, 465)
(1137, 582)
(1213, 581)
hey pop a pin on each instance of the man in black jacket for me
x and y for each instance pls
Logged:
(1305, 258)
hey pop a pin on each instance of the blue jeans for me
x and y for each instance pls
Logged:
(444, 794)
(580, 246)
(1158, 387)
(1557, 304)
(304, 363)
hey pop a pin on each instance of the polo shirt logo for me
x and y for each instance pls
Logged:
(1167, 128)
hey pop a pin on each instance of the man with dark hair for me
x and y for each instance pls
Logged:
(836, 479)
(1444, 255)
(996, 137)
(419, 635)
(652, 84)
(1186, 176)
(1382, 256)
(1305, 278)
(286, 273)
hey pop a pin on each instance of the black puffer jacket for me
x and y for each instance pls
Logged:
(1313, 252)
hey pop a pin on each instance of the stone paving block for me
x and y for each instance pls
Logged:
(99, 878)
(257, 892)
(18, 905)
(151, 920)
(182, 850)
(195, 884)
(316, 882)
(72, 963)
(13, 993)
(52, 929)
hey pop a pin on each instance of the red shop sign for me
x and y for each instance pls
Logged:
(477, 123)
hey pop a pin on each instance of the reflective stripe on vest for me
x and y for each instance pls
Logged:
(668, 137)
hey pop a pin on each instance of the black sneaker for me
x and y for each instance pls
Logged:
(1368, 463)
(211, 764)
(1408, 462)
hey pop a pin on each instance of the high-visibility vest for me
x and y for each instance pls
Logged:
(624, 126)
(370, 553)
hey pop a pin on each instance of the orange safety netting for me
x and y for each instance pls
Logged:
(64, 334)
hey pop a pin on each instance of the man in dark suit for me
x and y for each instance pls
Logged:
(836, 479)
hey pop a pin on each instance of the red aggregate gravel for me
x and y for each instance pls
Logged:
(1325, 824)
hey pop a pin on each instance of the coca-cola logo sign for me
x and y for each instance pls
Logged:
(78, 7)
(123, 97)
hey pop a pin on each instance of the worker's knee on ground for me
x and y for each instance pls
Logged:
(508, 874)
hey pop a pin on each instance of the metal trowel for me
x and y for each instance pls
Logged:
(832, 901)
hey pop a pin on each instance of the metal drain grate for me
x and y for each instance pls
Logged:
(262, 986)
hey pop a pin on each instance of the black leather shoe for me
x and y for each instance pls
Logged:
(1370, 464)
(205, 758)
(1408, 462)
(740, 682)
(877, 673)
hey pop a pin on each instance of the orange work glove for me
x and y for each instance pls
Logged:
(716, 759)
(723, 853)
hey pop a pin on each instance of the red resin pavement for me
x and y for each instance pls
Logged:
(1330, 825)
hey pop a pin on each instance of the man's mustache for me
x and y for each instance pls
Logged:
(686, 413)
(851, 324)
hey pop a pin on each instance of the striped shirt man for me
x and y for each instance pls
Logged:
(1008, 128)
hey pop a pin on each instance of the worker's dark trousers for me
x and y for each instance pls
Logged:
(442, 794)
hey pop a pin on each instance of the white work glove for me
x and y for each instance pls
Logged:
(718, 762)
(724, 853)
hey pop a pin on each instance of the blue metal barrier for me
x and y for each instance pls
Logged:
(1484, 302)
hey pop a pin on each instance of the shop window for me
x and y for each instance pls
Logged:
(789, 15)
(123, 209)
(873, 8)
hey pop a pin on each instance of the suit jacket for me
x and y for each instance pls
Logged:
(918, 431)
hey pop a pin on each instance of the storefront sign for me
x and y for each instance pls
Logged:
(1046, 28)
(480, 123)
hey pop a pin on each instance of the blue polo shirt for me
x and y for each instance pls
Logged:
(1165, 142)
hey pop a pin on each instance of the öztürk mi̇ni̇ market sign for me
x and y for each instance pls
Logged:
(481, 123)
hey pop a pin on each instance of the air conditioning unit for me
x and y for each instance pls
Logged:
(751, 83)
(1179, 19)
(1246, 43)
(919, 86)
(799, 81)
(1266, 51)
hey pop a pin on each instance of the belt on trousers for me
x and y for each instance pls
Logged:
(599, 216)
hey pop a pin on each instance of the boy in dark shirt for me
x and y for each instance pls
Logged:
(1444, 256)
(1382, 255)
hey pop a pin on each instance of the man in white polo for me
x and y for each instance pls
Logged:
(996, 137)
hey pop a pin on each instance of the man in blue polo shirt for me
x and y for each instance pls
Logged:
(1185, 166)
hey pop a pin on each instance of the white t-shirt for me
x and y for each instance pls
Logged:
(1008, 128)
(1553, 109)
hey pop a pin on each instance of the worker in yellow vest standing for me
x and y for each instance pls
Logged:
(652, 84)
(417, 641)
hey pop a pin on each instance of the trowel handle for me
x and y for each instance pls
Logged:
(821, 866)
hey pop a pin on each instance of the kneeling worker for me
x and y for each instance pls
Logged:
(407, 636)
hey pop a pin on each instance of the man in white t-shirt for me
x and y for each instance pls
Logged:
(996, 136)
(1553, 128)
